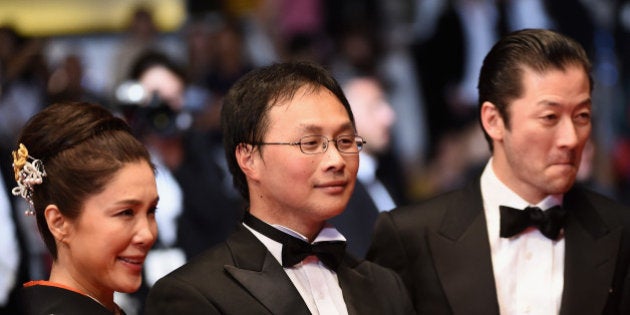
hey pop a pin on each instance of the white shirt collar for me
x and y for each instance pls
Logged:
(328, 233)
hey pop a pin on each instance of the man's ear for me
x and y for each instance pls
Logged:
(492, 121)
(58, 225)
(247, 160)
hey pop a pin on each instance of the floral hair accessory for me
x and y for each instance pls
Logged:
(28, 173)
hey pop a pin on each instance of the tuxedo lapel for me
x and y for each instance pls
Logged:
(590, 256)
(261, 274)
(461, 254)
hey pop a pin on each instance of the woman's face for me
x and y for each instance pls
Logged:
(108, 242)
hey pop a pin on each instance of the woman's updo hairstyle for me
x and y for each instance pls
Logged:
(81, 147)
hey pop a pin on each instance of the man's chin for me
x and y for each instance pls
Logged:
(561, 185)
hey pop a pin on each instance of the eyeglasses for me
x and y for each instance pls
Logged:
(347, 144)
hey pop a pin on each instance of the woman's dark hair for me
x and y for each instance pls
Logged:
(81, 146)
(244, 116)
(539, 50)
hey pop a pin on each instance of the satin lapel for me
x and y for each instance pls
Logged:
(261, 274)
(356, 289)
(591, 248)
(461, 255)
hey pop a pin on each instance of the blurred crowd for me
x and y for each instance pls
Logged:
(424, 53)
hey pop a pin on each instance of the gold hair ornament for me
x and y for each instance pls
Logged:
(29, 172)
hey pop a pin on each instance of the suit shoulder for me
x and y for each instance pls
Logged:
(370, 270)
(375, 271)
(207, 264)
(432, 209)
(609, 209)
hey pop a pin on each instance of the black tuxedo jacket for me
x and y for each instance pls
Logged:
(441, 250)
(241, 276)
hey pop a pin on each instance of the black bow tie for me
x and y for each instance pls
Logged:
(550, 222)
(294, 250)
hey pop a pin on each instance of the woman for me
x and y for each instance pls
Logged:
(91, 187)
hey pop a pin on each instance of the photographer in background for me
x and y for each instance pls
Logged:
(156, 103)
(151, 102)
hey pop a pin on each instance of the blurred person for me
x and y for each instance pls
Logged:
(292, 147)
(154, 116)
(375, 190)
(218, 45)
(11, 267)
(23, 75)
(466, 30)
(91, 186)
(523, 237)
(199, 48)
(24, 255)
(373, 37)
(189, 175)
(152, 102)
(355, 27)
(142, 35)
(66, 82)
(409, 105)
(230, 60)
(358, 50)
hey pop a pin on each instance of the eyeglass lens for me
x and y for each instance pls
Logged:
(317, 144)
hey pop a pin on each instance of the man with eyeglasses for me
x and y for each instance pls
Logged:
(292, 148)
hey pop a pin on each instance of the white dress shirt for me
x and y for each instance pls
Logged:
(318, 285)
(528, 268)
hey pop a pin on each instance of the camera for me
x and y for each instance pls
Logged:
(146, 112)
